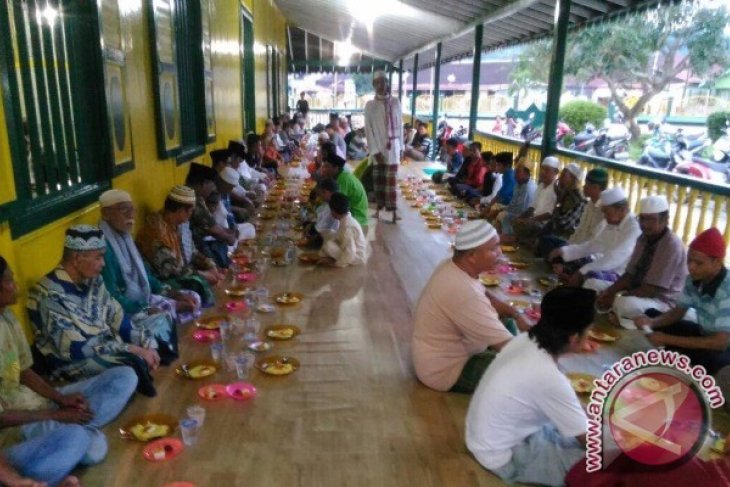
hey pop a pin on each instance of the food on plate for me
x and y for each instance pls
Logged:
(281, 333)
(601, 336)
(279, 368)
(287, 299)
(581, 386)
(201, 371)
(149, 430)
(161, 453)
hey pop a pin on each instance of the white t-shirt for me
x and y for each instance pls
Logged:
(522, 391)
(545, 199)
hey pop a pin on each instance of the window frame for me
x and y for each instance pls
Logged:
(188, 65)
(27, 212)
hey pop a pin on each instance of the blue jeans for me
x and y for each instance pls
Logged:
(52, 456)
(107, 394)
(544, 458)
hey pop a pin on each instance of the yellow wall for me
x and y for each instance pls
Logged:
(35, 254)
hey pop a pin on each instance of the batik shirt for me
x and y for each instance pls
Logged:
(567, 213)
(74, 322)
(15, 357)
(201, 222)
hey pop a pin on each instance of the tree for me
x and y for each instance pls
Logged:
(643, 52)
(529, 74)
(363, 83)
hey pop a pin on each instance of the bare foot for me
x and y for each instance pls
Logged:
(71, 481)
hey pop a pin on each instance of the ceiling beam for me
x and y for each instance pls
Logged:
(594, 5)
(536, 22)
(491, 17)
(574, 9)
(550, 12)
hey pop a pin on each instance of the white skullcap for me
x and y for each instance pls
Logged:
(551, 161)
(324, 137)
(114, 196)
(575, 170)
(229, 175)
(612, 196)
(653, 204)
(473, 234)
(379, 74)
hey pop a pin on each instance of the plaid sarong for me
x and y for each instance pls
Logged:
(384, 179)
(609, 276)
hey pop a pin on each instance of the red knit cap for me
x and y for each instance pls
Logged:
(710, 243)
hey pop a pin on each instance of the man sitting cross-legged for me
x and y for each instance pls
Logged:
(525, 423)
(707, 291)
(80, 329)
(609, 250)
(347, 246)
(656, 271)
(46, 432)
(457, 332)
(126, 277)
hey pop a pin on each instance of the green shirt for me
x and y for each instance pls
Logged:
(351, 187)
(116, 285)
(15, 357)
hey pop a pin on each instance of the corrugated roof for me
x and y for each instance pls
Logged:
(405, 27)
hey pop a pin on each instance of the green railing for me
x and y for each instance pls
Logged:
(695, 204)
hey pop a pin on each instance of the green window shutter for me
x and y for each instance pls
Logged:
(165, 70)
(51, 57)
(205, 7)
(115, 83)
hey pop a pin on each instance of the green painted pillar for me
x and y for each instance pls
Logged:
(436, 99)
(413, 91)
(555, 83)
(400, 81)
(475, 80)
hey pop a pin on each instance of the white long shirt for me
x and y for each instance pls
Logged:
(611, 248)
(348, 246)
(545, 199)
(378, 134)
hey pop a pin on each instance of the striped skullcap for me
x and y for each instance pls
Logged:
(473, 234)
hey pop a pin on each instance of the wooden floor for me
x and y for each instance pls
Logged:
(353, 414)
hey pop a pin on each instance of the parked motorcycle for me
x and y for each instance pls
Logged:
(611, 144)
(583, 142)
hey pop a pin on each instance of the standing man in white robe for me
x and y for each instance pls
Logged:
(384, 133)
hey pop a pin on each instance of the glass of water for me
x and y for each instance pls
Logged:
(244, 361)
(251, 329)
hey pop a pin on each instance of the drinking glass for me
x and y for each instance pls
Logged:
(251, 330)
(197, 413)
(190, 430)
(244, 361)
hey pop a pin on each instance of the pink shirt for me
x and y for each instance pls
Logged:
(453, 321)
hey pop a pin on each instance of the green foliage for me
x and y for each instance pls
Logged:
(715, 123)
(578, 113)
(646, 50)
(363, 83)
(528, 73)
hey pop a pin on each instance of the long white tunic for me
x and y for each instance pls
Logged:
(611, 248)
(381, 128)
(348, 246)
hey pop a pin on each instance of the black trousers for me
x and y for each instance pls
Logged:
(712, 360)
